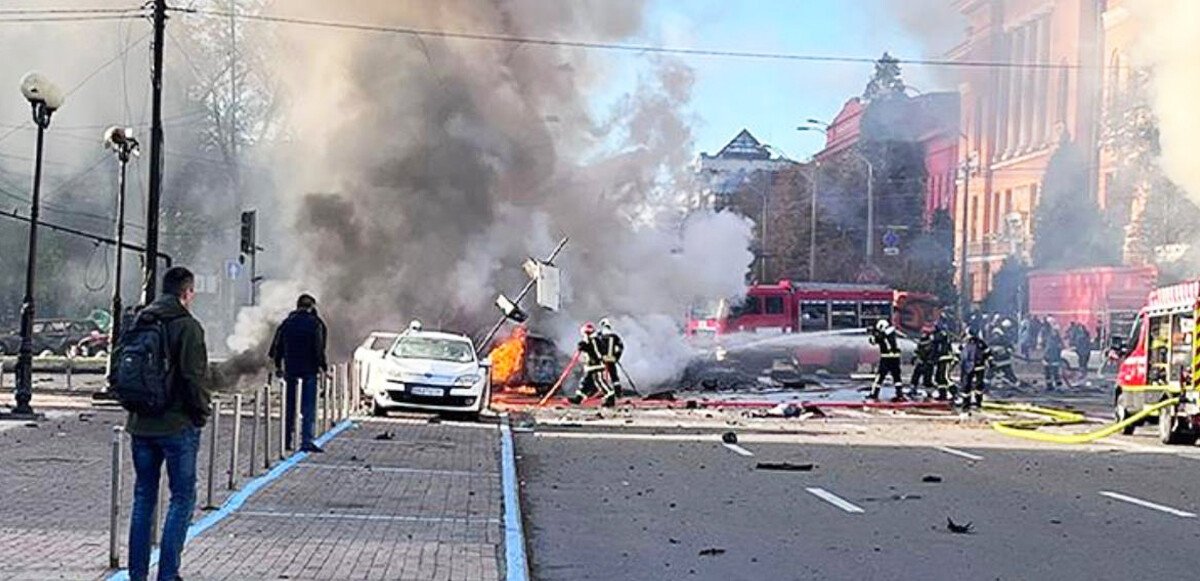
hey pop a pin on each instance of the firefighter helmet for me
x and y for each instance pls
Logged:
(606, 325)
(587, 330)
(415, 325)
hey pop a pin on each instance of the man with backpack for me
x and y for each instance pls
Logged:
(298, 352)
(160, 376)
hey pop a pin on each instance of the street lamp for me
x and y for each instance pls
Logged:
(121, 141)
(824, 128)
(45, 98)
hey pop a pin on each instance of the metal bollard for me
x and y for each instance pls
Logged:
(212, 453)
(237, 440)
(283, 395)
(341, 393)
(267, 425)
(70, 369)
(114, 508)
(323, 402)
(297, 423)
(254, 434)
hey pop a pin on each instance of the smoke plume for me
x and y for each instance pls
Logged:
(424, 170)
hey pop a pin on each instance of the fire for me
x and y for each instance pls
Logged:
(508, 358)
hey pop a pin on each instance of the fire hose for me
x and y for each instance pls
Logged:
(1053, 417)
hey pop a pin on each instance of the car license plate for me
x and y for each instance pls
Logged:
(427, 391)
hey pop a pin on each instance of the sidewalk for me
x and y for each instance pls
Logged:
(425, 504)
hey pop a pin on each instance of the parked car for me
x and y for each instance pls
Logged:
(373, 348)
(96, 344)
(54, 336)
(428, 370)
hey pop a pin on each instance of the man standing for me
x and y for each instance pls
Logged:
(975, 356)
(298, 352)
(593, 379)
(611, 348)
(924, 362)
(943, 349)
(883, 335)
(1052, 359)
(172, 436)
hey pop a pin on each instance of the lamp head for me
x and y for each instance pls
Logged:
(121, 139)
(38, 89)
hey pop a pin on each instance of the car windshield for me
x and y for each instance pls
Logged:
(454, 350)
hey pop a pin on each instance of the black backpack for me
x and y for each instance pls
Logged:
(142, 368)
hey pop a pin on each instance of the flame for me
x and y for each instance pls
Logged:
(508, 358)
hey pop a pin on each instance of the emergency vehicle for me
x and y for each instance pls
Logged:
(1160, 361)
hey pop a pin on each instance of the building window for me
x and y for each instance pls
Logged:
(1064, 90)
(987, 214)
(978, 128)
(974, 209)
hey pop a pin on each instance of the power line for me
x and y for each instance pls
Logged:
(93, 18)
(619, 47)
(5, 11)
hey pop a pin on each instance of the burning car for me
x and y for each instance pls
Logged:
(525, 363)
(427, 370)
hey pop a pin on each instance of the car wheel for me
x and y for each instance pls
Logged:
(1167, 429)
(376, 409)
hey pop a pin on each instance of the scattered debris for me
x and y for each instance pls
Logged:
(932, 478)
(385, 436)
(785, 466)
(354, 458)
(661, 396)
(957, 528)
(711, 552)
(434, 420)
(673, 541)
(691, 404)
(729, 437)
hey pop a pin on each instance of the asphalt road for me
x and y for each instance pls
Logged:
(603, 508)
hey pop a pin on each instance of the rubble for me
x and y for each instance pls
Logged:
(785, 466)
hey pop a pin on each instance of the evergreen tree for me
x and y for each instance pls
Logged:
(1009, 288)
(887, 80)
(1068, 230)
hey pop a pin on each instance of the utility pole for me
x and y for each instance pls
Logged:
(964, 298)
(150, 280)
(812, 223)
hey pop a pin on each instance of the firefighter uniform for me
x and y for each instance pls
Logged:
(1001, 361)
(883, 335)
(925, 362)
(611, 348)
(974, 366)
(1052, 360)
(593, 380)
(943, 351)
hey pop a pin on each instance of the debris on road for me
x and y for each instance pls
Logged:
(957, 528)
(932, 478)
(785, 466)
(711, 552)
(385, 436)
(729, 437)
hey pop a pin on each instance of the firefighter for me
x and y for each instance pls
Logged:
(593, 379)
(1052, 359)
(924, 362)
(611, 348)
(883, 335)
(943, 353)
(1000, 361)
(975, 356)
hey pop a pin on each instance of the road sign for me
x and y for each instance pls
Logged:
(233, 269)
(891, 240)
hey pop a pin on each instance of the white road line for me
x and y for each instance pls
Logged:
(835, 500)
(967, 455)
(738, 449)
(386, 517)
(1148, 504)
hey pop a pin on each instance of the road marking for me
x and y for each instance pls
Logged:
(967, 455)
(835, 500)
(515, 560)
(738, 449)
(385, 517)
(370, 468)
(1148, 504)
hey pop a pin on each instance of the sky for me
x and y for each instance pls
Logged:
(770, 98)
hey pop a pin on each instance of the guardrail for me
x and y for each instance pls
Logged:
(337, 400)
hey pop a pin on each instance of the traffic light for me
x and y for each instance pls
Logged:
(249, 234)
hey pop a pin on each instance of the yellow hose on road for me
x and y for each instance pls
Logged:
(1028, 428)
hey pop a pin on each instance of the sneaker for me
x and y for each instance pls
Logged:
(312, 448)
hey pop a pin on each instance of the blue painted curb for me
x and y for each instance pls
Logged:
(514, 534)
(240, 497)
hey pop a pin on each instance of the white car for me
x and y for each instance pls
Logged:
(371, 350)
(428, 370)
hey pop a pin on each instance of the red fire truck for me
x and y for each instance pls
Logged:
(1160, 360)
(789, 307)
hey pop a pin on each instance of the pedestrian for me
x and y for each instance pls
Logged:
(1083, 347)
(611, 349)
(943, 350)
(1001, 361)
(883, 335)
(1052, 359)
(924, 362)
(593, 380)
(172, 435)
(975, 356)
(298, 352)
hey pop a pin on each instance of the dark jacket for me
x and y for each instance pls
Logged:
(188, 356)
(299, 345)
(612, 347)
(888, 347)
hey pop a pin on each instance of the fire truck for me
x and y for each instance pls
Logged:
(788, 307)
(829, 308)
(1160, 361)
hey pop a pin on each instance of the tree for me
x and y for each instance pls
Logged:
(1068, 230)
(887, 80)
(1009, 288)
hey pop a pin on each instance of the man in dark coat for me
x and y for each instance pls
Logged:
(298, 352)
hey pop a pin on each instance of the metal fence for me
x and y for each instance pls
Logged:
(264, 408)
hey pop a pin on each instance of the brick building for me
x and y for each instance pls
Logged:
(1014, 116)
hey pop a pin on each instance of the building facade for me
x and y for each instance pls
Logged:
(743, 162)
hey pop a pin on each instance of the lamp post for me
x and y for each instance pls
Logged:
(45, 98)
(121, 141)
(964, 285)
(815, 125)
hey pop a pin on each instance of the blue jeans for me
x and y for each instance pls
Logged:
(308, 408)
(149, 452)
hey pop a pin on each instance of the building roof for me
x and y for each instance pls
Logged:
(742, 146)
